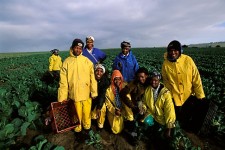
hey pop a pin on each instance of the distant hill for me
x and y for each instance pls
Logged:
(212, 44)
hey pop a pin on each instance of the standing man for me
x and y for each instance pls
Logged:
(126, 62)
(77, 82)
(182, 78)
(92, 53)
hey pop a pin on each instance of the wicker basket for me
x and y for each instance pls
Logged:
(63, 116)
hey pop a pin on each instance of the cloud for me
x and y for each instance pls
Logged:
(43, 25)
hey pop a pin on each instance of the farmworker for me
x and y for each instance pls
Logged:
(182, 78)
(98, 104)
(132, 94)
(126, 62)
(78, 83)
(116, 109)
(55, 63)
(158, 105)
(92, 53)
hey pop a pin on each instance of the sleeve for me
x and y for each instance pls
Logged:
(63, 84)
(169, 111)
(109, 103)
(115, 65)
(136, 66)
(94, 86)
(197, 82)
(165, 79)
(101, 94)
(125, 95)
(51, 63)
(102, 56)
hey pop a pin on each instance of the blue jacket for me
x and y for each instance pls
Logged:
(96, 56)
(129, 66)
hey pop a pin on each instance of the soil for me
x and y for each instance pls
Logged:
(71, 141)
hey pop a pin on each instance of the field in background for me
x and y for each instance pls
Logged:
(25, 94)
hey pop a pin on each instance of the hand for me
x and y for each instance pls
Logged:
(117, 112)
(98, 112)
(120, 64)
(94, 97)
(167, 133)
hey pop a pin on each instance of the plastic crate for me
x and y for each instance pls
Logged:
(63, 116)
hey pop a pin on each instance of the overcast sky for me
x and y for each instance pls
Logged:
(42, 25)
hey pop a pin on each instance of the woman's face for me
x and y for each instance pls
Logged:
(142, 77)
(125, 50)
(77, 50)
(99, 73)
(89, 44)
(117, 81)
(173, 53)
(155, 82)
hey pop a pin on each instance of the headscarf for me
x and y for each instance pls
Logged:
(116, 73)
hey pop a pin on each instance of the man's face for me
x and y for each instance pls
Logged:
(173, 53)
(77, 50)
(125, 50)
(99, 73)
(155, 82)
(117, 81)
(142, 77)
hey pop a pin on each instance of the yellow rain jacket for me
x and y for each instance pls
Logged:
(116, 122)
(163, 109)
(182, 79)
(55, 63)
(77, 79)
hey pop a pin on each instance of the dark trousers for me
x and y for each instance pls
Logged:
(192, 113)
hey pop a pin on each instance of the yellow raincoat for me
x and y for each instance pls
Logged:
(55, 63)
(77, 82)
(163, 109)
(182, 79)
(77, 79)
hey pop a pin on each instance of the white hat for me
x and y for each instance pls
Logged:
(100, 66)
(90, 38)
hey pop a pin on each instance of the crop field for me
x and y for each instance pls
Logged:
(26, 90)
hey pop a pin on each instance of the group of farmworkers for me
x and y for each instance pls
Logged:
(131, 94)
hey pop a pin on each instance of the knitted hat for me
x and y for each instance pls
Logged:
(90, 38)
(174, 45)
(125, 44)
(54, 51)
(100, 66)
(155, 74)
(77, 42)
